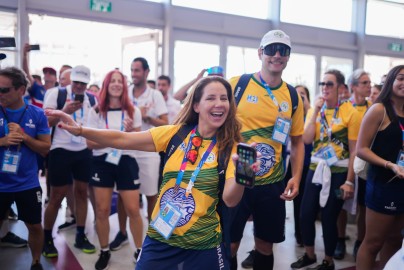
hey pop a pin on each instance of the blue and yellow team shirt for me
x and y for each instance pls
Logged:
(345, 127)
(361, 108)
(257, 114)
(199, 226)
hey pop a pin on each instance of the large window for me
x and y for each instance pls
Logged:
(252, 8)
(385, 18)
(100, 46)
(342, 64)
(241, 60)
(378, 66)
(328, 14)
(8, 28)
(191, 58)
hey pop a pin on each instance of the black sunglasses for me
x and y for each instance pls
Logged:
(76, 82)
(328, 84)
(271, 49)
(5, 90)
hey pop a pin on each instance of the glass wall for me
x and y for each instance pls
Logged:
(385, 18)
(328, 14)
(342, 64)
(241, 60)
(378, 66)
(8, 28)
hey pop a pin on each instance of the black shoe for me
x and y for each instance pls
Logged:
(37, 266)
(12, 215)
(103, 261)
(67, 225)
(12, 240)
(49, 250)
(303, 261)
(83, 244)
(356, 248)
(324, 266)
(119, 241)
(340, 249)
(136, 255)
(249, 261)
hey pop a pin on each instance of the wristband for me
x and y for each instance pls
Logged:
(385, 164)
(80, 131)
(349, 183)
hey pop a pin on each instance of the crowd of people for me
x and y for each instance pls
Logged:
(137, 139)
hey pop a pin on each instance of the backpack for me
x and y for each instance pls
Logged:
(61, 100)
(224, 212)
(239, 91)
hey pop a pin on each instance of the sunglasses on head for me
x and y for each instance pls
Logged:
(192, 154)
(81, 83)
(327, 84)
(271, 49)
(5, 90)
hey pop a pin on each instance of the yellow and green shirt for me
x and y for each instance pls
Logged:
(199, 226)
(258, 113)
(344, 128)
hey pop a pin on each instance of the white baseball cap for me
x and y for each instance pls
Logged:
(275, 36)
(80, 74)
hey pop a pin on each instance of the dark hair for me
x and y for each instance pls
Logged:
(142, 60)
(306, 90)
(378, 86)
(95, 85)
(17, 76)
(387, 90)
(164, 77)
(67, 66)
(338, 75)
(36, 77)
(229, 132)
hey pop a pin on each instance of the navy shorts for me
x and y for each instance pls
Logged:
(125, 174)
(64, 166)
(361, 191)
(268, 211)
(157, 255)
(385, 198)
(29, 204)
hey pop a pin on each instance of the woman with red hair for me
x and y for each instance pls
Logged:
(115, 167)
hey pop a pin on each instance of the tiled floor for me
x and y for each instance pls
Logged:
(72, 259)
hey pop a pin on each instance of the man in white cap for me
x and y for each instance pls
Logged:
(267, 99)
(69, 159)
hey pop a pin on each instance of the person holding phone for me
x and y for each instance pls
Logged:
(332, 127)
(190, 184)
(265, 111)
(384, 198)
(113, 166)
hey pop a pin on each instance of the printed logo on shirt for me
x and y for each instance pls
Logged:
(267, 158)
(252, 99)
(183, 147)
(211, 158)
(392, 207)
(1, 122)
(185, 205)
(30, 124)
(284, 106)
(337, 121)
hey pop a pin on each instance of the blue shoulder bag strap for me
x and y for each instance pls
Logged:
(60, 102)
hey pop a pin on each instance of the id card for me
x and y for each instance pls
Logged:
(281, 130)
(76, 139)
(329, 155)
(11, 162)
(400, 159)
(114, 156)
(167, 220)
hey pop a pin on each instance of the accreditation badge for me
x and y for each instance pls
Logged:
(167, 220)
(76, 139)
(11, 161)
(114, 156)
(281, 130)
(400, 159)
(329, 155)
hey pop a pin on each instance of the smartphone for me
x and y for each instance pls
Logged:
(339, 193)
(7, 42)
(79, 98)
(247, 155)
(34, 47)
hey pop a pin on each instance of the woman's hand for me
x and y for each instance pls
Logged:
(66, 121)
(318, 104)
(398, 170)
(347, 191)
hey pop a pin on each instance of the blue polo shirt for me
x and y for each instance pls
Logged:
(34, 122)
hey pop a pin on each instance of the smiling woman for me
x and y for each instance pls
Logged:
(186, 228)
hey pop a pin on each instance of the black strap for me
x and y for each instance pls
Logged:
(241, 86)
(176, 141)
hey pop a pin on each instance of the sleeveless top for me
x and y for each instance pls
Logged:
(387, 145)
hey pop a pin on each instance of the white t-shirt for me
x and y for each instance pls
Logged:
(95, 120)
(62, 138)
(173, 107)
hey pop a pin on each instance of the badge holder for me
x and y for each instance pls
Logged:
(281, 130)
(11, 161)
(400, 159)
(329, 155)
(114, 156)
(167, 220)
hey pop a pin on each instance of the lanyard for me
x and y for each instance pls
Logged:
(402, 132)
(198, 168)
(354, 103)
(106, 121)
(324, 123)
(271, 95)
(6, 131)
(81, 110)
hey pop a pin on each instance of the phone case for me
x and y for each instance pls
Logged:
(244, 174)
